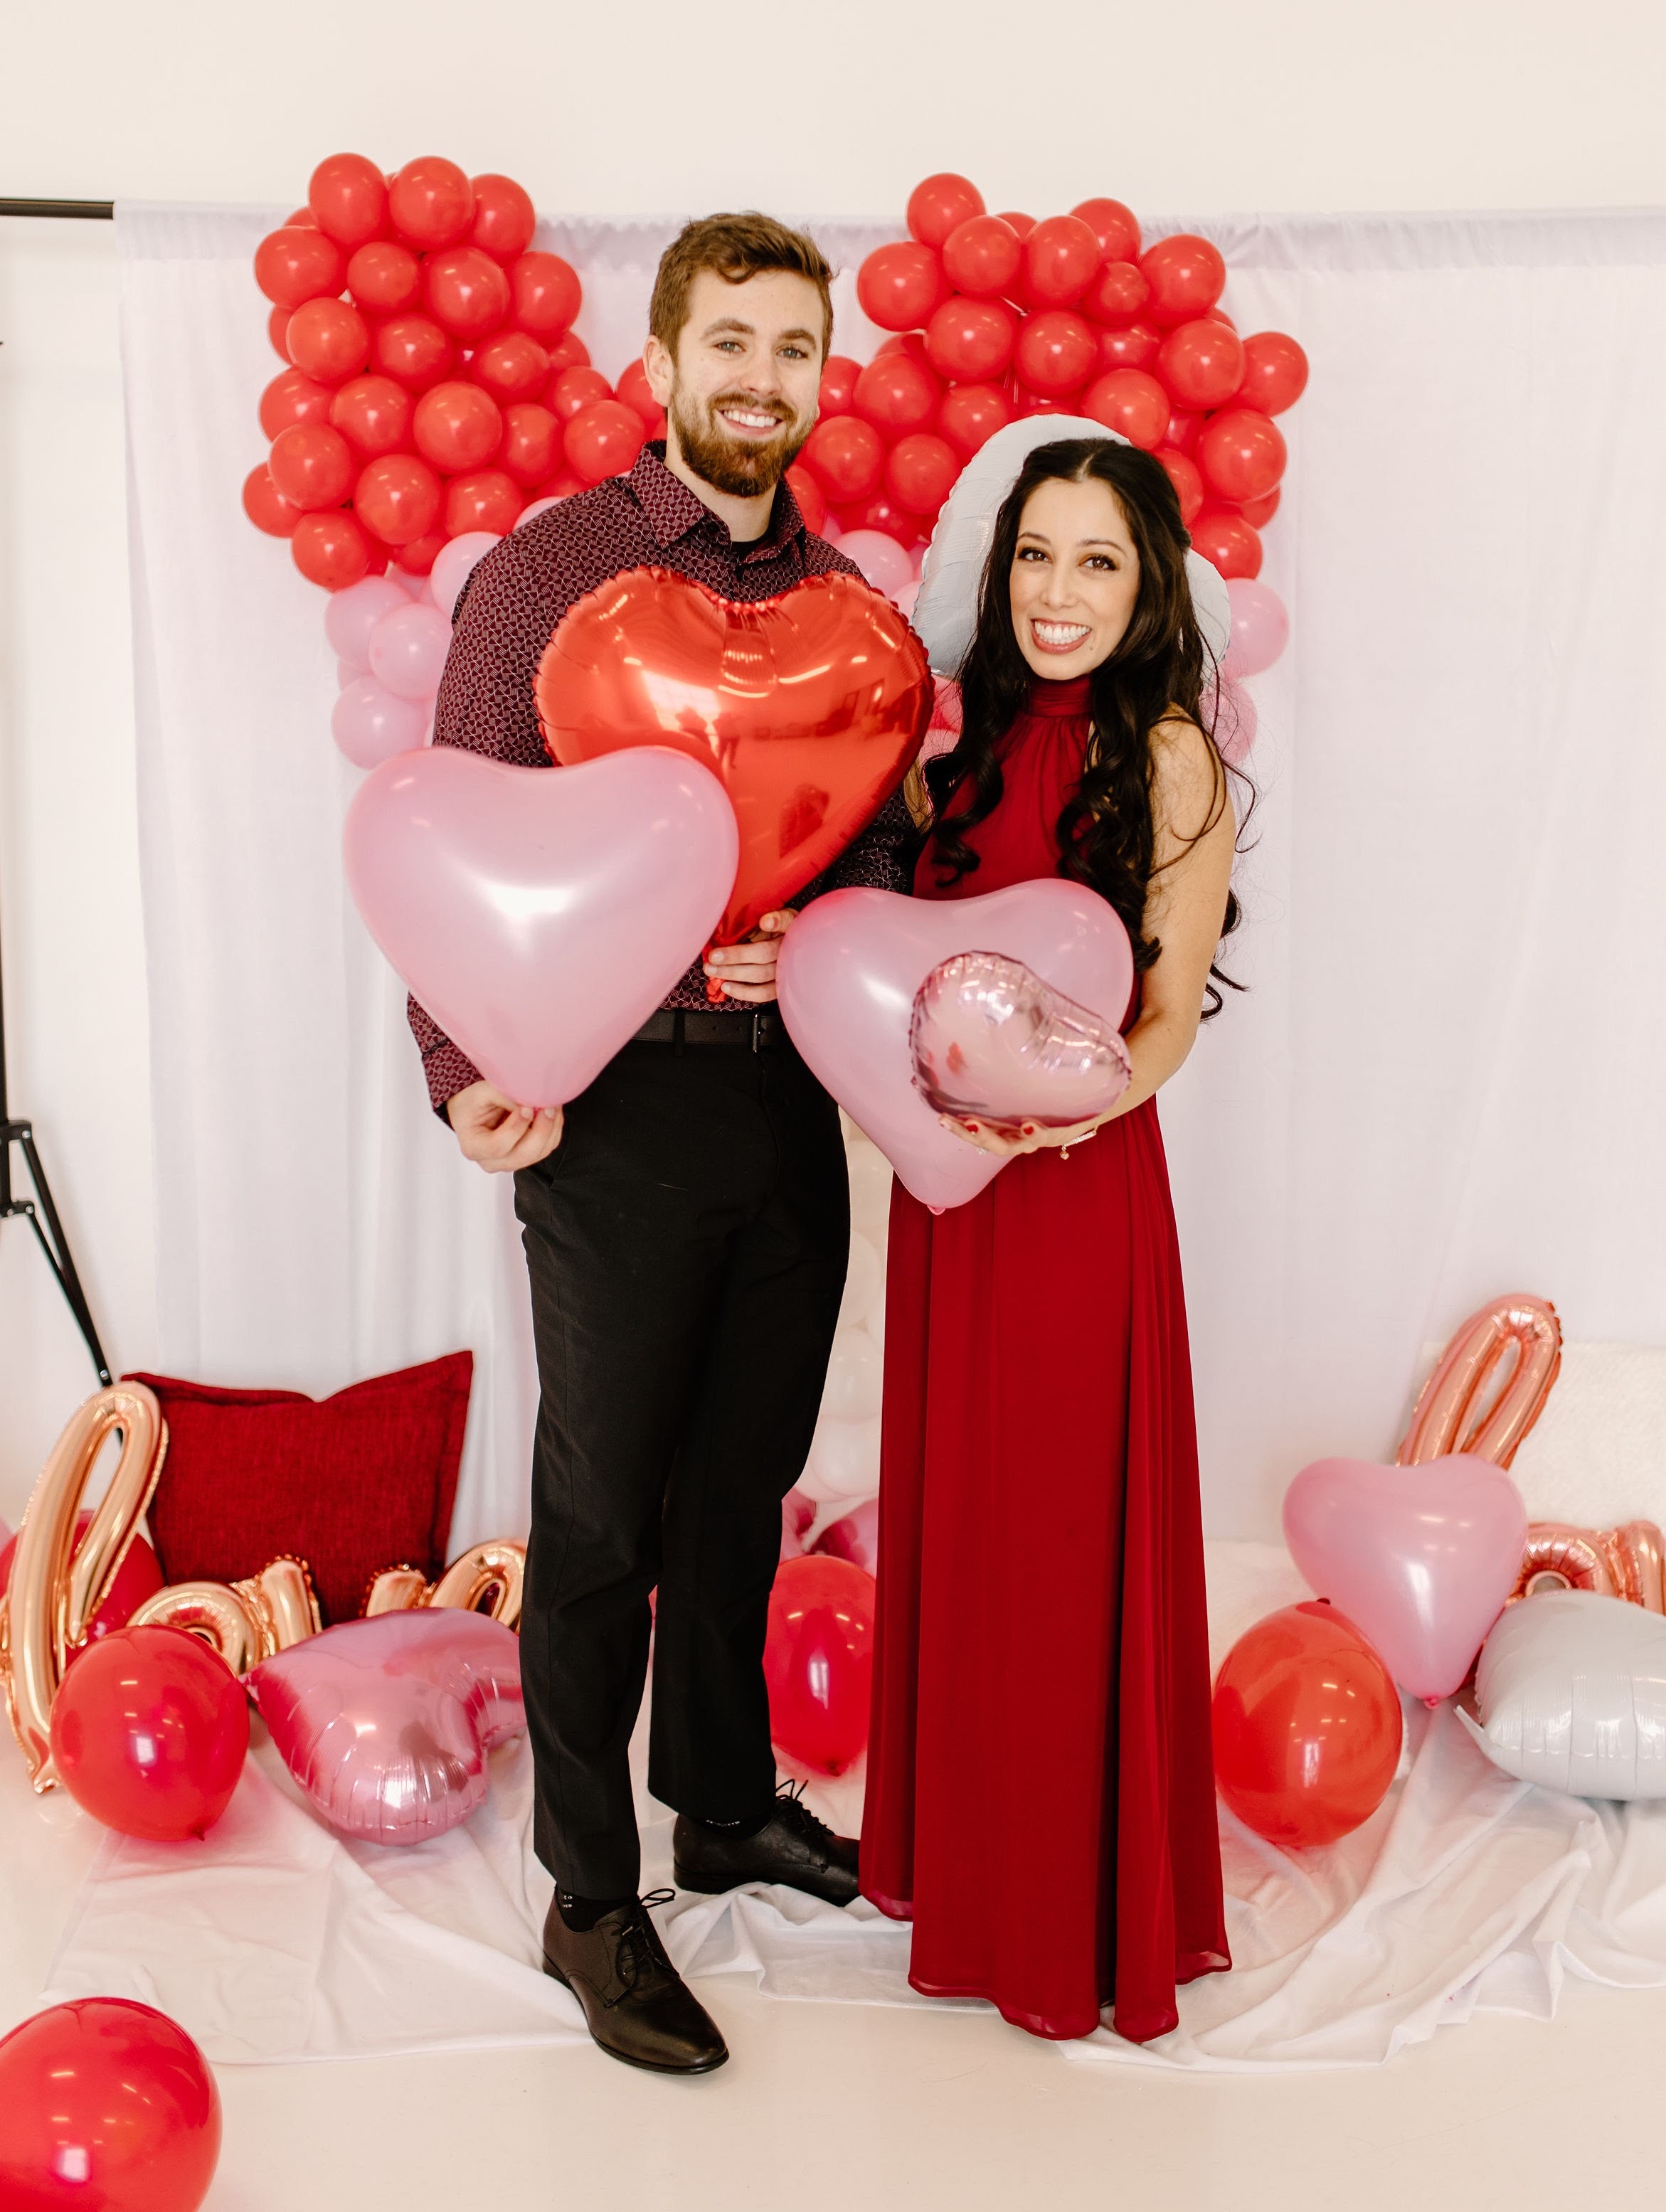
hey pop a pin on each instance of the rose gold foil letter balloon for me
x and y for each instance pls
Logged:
(989, 1037)
(1454, 1415)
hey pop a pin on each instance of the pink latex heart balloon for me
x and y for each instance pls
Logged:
(540, 915)
(852, 964)
(1421, 1558)
(991, 1041)
(385, 1723)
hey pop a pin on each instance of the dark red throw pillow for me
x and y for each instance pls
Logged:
(350, 1484)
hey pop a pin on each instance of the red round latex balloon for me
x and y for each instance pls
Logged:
(430, 202)
(920, 472)
(1181, 433)
(971, 341)
(897, 393)
(604, 440)
(901, 285)
(1026, 403)
(911, 342)
(544, 296)
(330, 550)
(1056, 352)
(293, 398)
(1135, 347)
(811, 498)
(278, 326)
(1260, 511)
(846, 456)
(837, 395)
(504, 218)
(885, 514)
(532, 442)
(385, 277)
(1307, 1726)
(466, 291)
(106, 2103)
(1114, 226)
(149, 1727)
(397, 498)
(818, 1662)
(568, 351)
(1226, 541)
(1062, 258)
(981, 257)
(413, 349)
(1183, 475)
(416, 558)
(312, 466)
(1241, 453)
(139, 1576)
(1274, 371)
(489, 498)
(1128, 401)
(941, 205)
(301, 216)
(970, 413)
(1186, 275)
(328, 340)
(373, 413)
(457, 426)
(1118, 296)
(265, 506)
(572, 390)
(1024, 224)
(348, 197)
(634, 391)
(511, 366)
(293, 265)
(1201, 362)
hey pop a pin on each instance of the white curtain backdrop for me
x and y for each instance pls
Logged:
(1445, 1080)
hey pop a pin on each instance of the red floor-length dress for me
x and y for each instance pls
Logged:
(1040, 1793)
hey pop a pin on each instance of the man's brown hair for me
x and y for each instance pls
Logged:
(737, 247)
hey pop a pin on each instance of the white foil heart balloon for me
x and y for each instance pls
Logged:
(1572, 1692)
(540, 915)
(850, 967)
(1421, 1559)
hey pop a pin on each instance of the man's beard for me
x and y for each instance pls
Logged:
(740, 469)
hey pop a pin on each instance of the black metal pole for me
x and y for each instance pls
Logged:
(63, 211)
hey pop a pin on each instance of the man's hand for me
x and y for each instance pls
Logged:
(498, 1135)
(747, 971)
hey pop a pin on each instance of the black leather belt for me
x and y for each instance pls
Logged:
(760, 1030)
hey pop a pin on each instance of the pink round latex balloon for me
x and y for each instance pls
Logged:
(408, 649)
(385, 1723)
(1421, 1559)
(531, 514)
(849, 969)
(453, 564)
(350, 616)
(1261, 627)
(1229, 709)
(855, 1537)
(880, 558)
(371, 726)
(541, 915)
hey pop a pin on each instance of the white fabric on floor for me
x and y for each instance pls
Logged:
(1466, 1892)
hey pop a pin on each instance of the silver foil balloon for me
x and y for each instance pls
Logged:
(385, 1723)
(989, 1037)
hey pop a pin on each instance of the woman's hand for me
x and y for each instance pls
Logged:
(1029, 1139)
(747, 971)
(498, 1135)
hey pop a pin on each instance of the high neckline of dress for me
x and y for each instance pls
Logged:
(1069, 697)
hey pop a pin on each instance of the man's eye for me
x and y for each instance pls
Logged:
(795, 353)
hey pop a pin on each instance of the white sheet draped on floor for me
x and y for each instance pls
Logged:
(1445, 1080)
(273, 1940)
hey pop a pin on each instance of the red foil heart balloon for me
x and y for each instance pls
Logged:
(808, 707)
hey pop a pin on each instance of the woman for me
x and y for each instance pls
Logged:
(1040, 1797)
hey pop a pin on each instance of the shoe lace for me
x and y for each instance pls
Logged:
(798, 1815)
(642, 1959)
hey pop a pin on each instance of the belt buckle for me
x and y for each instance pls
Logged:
(757, 1028)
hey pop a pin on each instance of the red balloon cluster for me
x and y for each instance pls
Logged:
(996, 317)
(434, 384)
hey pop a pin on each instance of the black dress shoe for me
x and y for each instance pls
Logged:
(636, 2005)
(792, 1846)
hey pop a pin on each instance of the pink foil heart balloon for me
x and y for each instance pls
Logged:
(1421, 1558)
(540, 915)
(385, 1723)
(990, 1040)
(850, 968)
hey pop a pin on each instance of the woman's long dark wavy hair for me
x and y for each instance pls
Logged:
(1160, 667)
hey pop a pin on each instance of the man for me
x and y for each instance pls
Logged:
(686, 1221)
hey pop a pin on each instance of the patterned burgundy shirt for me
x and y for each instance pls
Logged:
(515, 597)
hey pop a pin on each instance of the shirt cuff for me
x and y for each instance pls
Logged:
(448, 1071)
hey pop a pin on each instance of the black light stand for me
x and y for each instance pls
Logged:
(39, 1211)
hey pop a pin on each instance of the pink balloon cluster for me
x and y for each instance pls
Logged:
(390, 640)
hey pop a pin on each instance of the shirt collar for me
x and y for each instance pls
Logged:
(672, 511)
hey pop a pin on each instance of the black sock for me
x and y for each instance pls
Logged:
(739, 1829)
(581, 1913)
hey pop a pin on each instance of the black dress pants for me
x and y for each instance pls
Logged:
(686, 1243)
